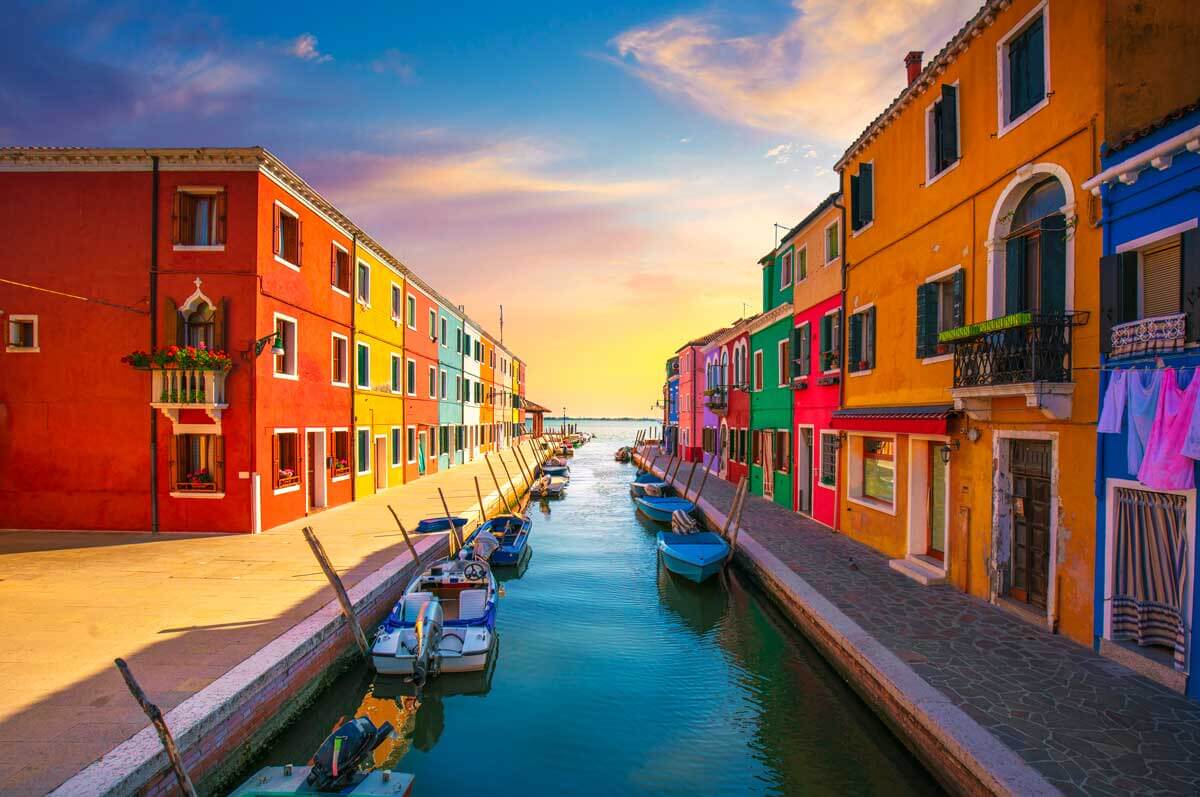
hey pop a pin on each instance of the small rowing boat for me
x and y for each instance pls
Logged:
(555, 467)
(512, 532)
(661, 509)
(696, 557)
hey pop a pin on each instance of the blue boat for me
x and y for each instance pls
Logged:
(512, 532)
(661, 509)
(696, 557)
(432, 524)
(555, 470)
(638, 485)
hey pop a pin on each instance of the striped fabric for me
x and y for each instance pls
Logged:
(1150, 570)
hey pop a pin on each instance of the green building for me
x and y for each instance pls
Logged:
(770, 381)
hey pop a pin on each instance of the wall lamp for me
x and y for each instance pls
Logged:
(276, 341)
(953, 445)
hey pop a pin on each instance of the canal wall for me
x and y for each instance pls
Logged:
(965, 757)
(222, 727)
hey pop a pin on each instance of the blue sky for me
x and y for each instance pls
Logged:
(582, 164)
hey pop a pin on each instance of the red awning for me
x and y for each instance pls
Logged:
(925, 419)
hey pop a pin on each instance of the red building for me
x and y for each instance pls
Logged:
(692, 387)
(193, 265)
(421, 403)
(733, 346)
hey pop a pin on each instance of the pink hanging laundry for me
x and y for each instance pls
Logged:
(1165, 466)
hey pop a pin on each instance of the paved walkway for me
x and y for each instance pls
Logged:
(1086, 723)
(181, 609)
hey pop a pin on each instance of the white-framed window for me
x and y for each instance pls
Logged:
(339, 268)
(411, 440)
(362, 365)
(339, 463)
(22, 334)
(286, 462)
(362, 449)
(1144, 279)
(1023, 67)
(397, 304)
(458, 341)
(458, 388)
(432, 382)
(412, 311)
(433, 324)
(397, 375)
(940, 306)
(860, 356)
(862, 207)
(828, 463)
(286, 237)
(445, 334)
(784, 361)
(364, 283)
(444, 377)
(833, 242)
(285, 364)
(941, 133)
(397, 445)
(785, 269)
(758, 369)
(411, 377)
(802, 263)
(340, 354)
(199, 219)
(197, 466)
(872, 471)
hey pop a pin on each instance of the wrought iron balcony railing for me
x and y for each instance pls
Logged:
(1025, 347)
(717, 398)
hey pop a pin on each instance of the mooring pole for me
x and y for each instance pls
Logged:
(496, 481)
(508, 476)
(479, 495)
(737, 524)
(404, 532)
(160, 725)
(691, 473)
(347, 608)
(525, 466)
(450, 519)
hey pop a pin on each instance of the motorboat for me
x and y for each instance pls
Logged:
(556, 467)
(512, 535)
(661, 509)
(695, 556)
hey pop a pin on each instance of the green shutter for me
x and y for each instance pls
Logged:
(869, 337)
(927, 313)
(947, 127)
(1014, 276)
(1035, 57)
(855, 355)
(855, 216)
(1052, 244)
(1127, 294)
(866, 187)
(804, 350)
(362, 367)
(825, 339)
(959, 289)
(1112, 299)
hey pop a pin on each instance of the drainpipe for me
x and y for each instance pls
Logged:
(837, 517)
(153, 339)
(351, 346)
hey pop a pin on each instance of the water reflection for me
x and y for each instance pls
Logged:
(701, 607)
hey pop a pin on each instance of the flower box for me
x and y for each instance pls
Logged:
(287, 481)
(1011, 321)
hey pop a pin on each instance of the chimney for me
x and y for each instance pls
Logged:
(912, 63)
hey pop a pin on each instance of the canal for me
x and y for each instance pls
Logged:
(614, 677)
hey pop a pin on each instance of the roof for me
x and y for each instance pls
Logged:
(772, 316)
(731, 332)
(913, 412)
(1158, 124)
(826, 203)
(533, 406)
(936, 66)
(703, 340)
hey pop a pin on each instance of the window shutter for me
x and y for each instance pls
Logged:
(1191, 282)
(333, 275)
(1035, 73)
(855, 187)
(804, 350)
(948, 127)
(169, 323)
(959, 290)
(869, 337)
(927, 300)
(176, 225)
(275, 229)
(173, 461)
(855, 341)
(1161, 273)
(1053, 254)
(220, 227)
(866, 187)
(835, 338)
(825, 339)
(299, 242)
(1111, 269)
(220, 322)
(1014, 275)
(275, 460)
(219, 462)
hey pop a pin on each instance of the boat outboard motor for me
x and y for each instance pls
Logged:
(340, 756)
(429, 639)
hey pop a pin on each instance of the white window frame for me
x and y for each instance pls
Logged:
(410, 299)
(930, 130)
(285, 209)
(334, 338)
(357, 376)
(410, 390)
(346, 251)
(358, 431)
(943, 276)
(433, 324)
(210, 190)
(846, 355)
(444, 331)
(443, 384)
(860, 230)
(842, 338)
(825, 235)
(432, 384)
(395, 433)
(785, 364)
(394, 358)
(791, 271)
(295, 488)
(756, 368)
(37, 341)
(411, 448)
(854, 463)
(796, 278)
(332, 450)
(359, 284)
(1002, 87)
(917, 491)
(294, 375)
(821, 460)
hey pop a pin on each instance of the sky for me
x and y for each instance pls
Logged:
(609, 172)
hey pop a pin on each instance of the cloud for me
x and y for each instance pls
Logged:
(780, 154)
(305, 48)
(827, 71)
(394, 62)
(687, 140)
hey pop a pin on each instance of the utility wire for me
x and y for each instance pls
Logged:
(125, 307)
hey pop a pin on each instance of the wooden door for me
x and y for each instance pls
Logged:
(381, 463)
(310, 451)
(768, 462)
(804, 472)
(1029, 463)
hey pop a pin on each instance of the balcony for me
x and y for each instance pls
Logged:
(1025, 355)
(175, 389)
(717, 399)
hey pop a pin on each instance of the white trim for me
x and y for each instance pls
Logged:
(275, 432)
(323, 493)
(410, 389)
(397, 458)
(345, 360)
(37, 341)
(1002, 87)
(854, 484)
(358, 430)
(433, 374)
(411, 324)
(410, 450)
(357, 376)
(941, 358)
(796, 261)
(349, 444)
(262, 169)
(825, 258)
(190, 494)
(791, 253)
(346, 252)
(211, 190)
(1155, 237)
(291, 376)
(393, 385)
(930, 179)
(942, 275)
(198, 248)
(917, 520)
(1127, 170)
(867, 372)
(785, 370)
(859, 231)
(359, 283)
(296, 216)
(820, 464)
(756, 375)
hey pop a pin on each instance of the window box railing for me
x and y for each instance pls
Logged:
(1149, 335)
(196, 486)
(341, 468)
(1015, 349)
(286, 478)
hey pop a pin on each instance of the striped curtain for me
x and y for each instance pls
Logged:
(1151, 561)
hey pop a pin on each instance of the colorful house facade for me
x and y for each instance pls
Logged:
(421, 358)
(472, 389)
(1145, 564)
(450, 387)
(671, 408)
(770, 383)
(486, 394)
(730, 399)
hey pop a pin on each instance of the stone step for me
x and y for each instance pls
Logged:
(921, 572)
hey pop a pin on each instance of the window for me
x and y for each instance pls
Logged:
(411, 440)
(432, 325)
(1035, 266)
(285, 330)
(756, 447)
(362, 450)
(412, 311)
(339, 464)
(879, 469)
(458, 341)
(397, 386)
(198, 218)
(783, 451)
(339, 268)
(862, 208)
(198, 326)
(362, 367)
(785, 270)
(341, 361)
(939, 308)
(941, 131)
(832, 242)
(783, 362)
(1023, 61)
(802, 350)
(286, 239)
(1147, 283)
(198, 464)
(22, 333)
(829, 459)
(831, 341)
(364, 283)
(286, 459)
(410, 381)
(862, 341)
(432, 382)
(445, 336)
(396, 446)
(758, 369)
(802, 264)
(444, 380)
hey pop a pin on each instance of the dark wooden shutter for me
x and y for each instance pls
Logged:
(927, 318)
(869, 337)
(220, 323)
(1052, 244)
(1014, 275)
(176, 225)
(948, 127)
(173, 461)
(221, 214)
(1110, 298)
(187, 218)
(959, 291)
(275, 460)
(866, 187)
(219, 463)
(855, 187)
(1191, 282)
(804, 350)
(169, 323)
(333, 268)
(855, 354)
(275, 229)
(299, 241)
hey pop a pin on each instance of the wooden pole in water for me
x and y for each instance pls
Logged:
(700, 489)
(691, 473)
(496, 481)
(347, 607)
(737, 525)
(453, 530)
(732, 506)
(160, 725)
(411, 548)
(511, 483)
(478, 494)
(526, 473)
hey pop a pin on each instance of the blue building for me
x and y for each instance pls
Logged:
(1145, 610)
(451, 389)
(671, 410)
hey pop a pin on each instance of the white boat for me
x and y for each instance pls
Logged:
(446, 621)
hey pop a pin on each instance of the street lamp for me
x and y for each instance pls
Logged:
(276, 341)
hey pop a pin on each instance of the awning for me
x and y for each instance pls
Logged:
(919, 419)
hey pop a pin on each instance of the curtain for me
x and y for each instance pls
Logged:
(1150, 570)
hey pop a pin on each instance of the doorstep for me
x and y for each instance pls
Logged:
(919, 571)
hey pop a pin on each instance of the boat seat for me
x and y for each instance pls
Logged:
(413, 602)
(471, 603)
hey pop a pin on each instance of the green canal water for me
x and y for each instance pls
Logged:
(615, 678)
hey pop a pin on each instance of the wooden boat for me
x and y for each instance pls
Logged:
(512, 532)
(643, 480)
(555, 467)
(696, 557)
(337, 768)
(446, 620)
(549, 486)
(661, 509)
(622, 454)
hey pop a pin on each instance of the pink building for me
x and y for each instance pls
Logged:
(694, 442)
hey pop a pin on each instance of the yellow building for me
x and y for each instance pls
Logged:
(969, 436)
(377, 369)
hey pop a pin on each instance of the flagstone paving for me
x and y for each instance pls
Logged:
(1087, 724)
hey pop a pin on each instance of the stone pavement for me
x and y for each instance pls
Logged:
(181, 609)
(1086, 723)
